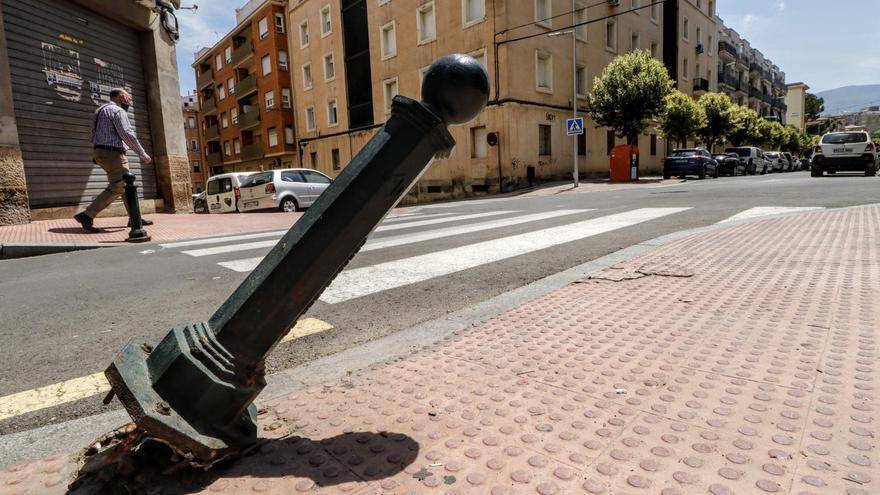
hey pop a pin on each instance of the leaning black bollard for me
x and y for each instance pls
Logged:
(195, 389)
(137, 232)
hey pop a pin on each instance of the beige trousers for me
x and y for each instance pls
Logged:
(116, 165)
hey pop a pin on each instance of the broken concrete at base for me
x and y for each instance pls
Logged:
(663, 267)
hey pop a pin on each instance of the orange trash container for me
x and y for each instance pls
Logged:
(624, 163)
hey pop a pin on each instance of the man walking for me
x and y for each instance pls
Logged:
(112, 136)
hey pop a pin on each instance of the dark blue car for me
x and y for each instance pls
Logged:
(690, 161)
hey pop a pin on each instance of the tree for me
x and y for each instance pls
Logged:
(681, 119)
(813, 106)
(719, 122)
(746, 123)
(876, 136)
(629, 94)
(771, 135)
(792, 140)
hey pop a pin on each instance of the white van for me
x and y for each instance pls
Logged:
(223, 192)
(753, 158)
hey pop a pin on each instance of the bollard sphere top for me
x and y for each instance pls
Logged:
(456, 87)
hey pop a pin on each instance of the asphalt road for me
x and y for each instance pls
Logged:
(66, 316)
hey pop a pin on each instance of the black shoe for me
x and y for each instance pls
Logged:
(144, 222)
(86, 222)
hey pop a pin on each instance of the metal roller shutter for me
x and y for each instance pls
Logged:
(64, 59)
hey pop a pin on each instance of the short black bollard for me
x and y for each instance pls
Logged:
(194, 390)
(137, 232)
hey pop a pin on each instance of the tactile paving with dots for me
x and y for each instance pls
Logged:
(747, 366)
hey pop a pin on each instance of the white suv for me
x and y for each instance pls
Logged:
(845, 152)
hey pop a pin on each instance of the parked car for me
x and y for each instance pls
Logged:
(730, 164)
(778, 163)
(288, 190)
(223, 192)
(752, 157)
(793, 163)
(690, 161)
(845, 152)
(200, 204)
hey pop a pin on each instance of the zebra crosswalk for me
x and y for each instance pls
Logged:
(527, 232)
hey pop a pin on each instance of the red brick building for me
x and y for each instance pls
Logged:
(194, 140)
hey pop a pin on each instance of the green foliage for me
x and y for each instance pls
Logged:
(681, 119)
(792, 140)
(746, 125)
(813, 106)
(876, 136)
(630, 93)
(719, 124)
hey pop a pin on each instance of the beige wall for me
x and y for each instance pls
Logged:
(795, 99)
(702, 24)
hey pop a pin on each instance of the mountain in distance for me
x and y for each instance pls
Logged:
(850, 98)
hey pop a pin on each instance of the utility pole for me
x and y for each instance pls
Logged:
(574, 85)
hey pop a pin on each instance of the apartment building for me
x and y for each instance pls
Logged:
(690, 35)
(191, 128)
(748, 77)
(796, 105)
(344, 81)
(246, 100)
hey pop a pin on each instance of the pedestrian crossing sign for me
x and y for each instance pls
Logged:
(575, 126)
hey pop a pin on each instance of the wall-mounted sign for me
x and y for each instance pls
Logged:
(71, 39)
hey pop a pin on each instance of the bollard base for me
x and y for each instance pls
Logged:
(130, 378)
(139, 235)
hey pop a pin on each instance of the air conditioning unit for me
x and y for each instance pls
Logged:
(699, 48)
(614, 3)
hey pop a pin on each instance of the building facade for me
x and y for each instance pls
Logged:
(690, 34)
(246, 101)
(749, 78)
(796, 105)
(59, 59)
(192, 130)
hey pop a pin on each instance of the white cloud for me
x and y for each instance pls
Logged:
(204, 27)
(780, 7)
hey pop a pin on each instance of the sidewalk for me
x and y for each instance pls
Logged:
(599, 185)
(742, 360)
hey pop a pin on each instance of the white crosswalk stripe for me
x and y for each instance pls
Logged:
(765, 211)
(436, 221)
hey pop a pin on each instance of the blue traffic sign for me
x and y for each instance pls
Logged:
(574, 127)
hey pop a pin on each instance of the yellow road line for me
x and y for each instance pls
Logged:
(88, 386)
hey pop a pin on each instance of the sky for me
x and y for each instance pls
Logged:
(826, 44)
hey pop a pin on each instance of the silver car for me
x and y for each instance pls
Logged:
(288, 190)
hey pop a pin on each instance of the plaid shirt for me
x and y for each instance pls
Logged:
(112, 128)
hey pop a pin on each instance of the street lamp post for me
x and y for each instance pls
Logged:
(574, 85)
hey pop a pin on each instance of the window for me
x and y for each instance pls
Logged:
(653, 145)
(264, 28)
(193, 145)
(422, 72)
(315, 177)
(334, 156)
(611, 35)
(292, 176)
(197, 167)
(699, 4)
(226, 148)
(480, 55)
(285, 97)
(228, 54)
(307, 76)
(684, 68)
(313, 159)
(234, 114)
(270, 100)
(544, 140)
(388, 40)
(221, 91)
(230, 83)
(426, 21)
(236, 146)
(543, 72)
(326, 21)
(581, 16)
(273, 137)
(609, 142)
(581, 81)
(711, 41)
(329, 67)
(304, 34)
(686, 29)
(267, 65)
(636, 4)
(288, 134)
(279, 22)
(635, 41)
(391, 90)
(224, 122)
(654, 50)
(191, 121)
(542, 12)
(479, 146)
(282, 60)
(310, 119)
(655, 12)
(218, 62)
(473, 11)
(699, 35)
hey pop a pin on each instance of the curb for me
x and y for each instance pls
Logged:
(12, 251)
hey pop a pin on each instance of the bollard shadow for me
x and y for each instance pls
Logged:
(346, 458)
(79, 230)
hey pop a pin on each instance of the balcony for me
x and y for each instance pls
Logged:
(768, 99)
(725, 47)
(754, 92)
(249, 119)
(755, 67)
(729, 79)
(214, 159)
(246, 87)
(212, 133)
(701, 85)
(209, 106)
(205, 79)
(252, 151)
(242, 54)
